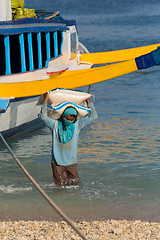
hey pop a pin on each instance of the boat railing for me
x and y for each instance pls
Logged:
(28, 51)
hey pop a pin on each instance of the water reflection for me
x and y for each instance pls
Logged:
(120, 140)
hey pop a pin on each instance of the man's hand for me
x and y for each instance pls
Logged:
(46, 96)
(87, 100)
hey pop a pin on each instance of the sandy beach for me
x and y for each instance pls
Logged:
(100, 230)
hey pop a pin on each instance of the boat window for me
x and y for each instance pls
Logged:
(2, 55)
(73, 45)
(15, 54)
(28, 51)
(52, 44)
(35, 50)
(43, 44)
(60, 42)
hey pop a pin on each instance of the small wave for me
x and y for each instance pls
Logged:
(12, 189)
(71, 187)
(47, 185)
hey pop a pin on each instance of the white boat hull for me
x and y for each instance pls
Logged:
(20, 117)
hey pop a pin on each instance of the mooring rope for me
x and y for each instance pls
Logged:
(46, 197)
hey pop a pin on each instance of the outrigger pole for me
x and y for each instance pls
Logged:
(45, 196)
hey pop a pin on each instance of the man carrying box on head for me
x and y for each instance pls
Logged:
(65, 132)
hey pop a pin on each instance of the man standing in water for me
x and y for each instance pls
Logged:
(65, 132)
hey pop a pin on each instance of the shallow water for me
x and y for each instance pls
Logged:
(118, 155)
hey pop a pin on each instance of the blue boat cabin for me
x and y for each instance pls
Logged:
(28, 46)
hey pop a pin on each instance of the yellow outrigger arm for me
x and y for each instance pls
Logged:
(118, 55)
(69, 79)
(80, 78)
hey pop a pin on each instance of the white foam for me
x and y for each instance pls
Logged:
(12, 189)
(47, 185)
(71, 187)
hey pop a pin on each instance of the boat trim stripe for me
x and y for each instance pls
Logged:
(58, 71)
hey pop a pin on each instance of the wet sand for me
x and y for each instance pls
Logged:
(97, 230)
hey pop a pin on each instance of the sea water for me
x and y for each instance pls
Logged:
(119, 154)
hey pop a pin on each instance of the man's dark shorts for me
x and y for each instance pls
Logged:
(65, 175)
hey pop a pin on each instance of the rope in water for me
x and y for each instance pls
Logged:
(46, 197)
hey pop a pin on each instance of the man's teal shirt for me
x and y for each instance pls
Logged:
(64, 154)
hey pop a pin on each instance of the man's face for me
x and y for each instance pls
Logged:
(70, 117)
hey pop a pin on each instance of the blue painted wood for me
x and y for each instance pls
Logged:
(48, 48)
(61, 43)
(7, 55)
(55, 44)
(30, 52)
(48, 51)
(22, 50)
(39, 50)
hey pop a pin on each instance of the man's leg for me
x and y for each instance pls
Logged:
(72, 172)
(59, 175)
(65, 175)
